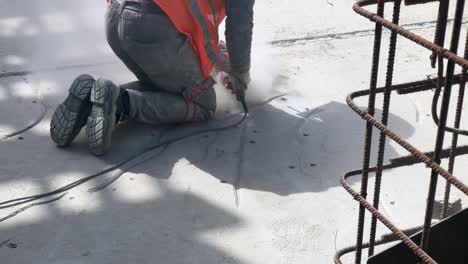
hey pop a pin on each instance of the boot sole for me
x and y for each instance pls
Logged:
(101, 121)
(71, 115)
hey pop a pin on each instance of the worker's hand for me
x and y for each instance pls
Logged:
(238, 83)
(223, 63)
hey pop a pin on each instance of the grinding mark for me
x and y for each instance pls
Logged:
(314, 112)
(52, 69)
(419, 118)
(4, 242)
(36, 121)
(206, 151)
(208, 147)
(309, 112)
(294, 109)
(417, 113)
(23, 209)
(243, 140)
(336, 236)
(14, 74)
(351, 34)
(299, 135)
(299, 138)
(267, 101)
(19, 201)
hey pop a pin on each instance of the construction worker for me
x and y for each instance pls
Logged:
(172, 48)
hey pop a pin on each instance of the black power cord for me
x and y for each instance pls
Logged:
(27, 199)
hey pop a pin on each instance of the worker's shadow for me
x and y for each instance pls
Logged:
(287, 146)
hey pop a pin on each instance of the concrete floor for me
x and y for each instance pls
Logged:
(266, 192)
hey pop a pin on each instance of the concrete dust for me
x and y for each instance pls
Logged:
(267, 80)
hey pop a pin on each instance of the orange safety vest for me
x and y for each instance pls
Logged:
(199, 21)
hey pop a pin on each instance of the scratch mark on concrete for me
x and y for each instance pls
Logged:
(336, 236)
(4, 242)
(240, 164)
(207, 149)
(351, 34)
(419, 119)
(52, 69)
(300, 136)
(14, 74)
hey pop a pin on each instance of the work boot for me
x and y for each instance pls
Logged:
(102, 120)
(71, 115)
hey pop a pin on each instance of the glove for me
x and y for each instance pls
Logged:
(222, 59)
(238, 83)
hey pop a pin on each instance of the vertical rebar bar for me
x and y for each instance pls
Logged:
(442, 124)
(369, 129)
(385, 113)
(457, 123)
(441, 28)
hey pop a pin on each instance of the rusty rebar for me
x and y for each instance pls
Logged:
(431, 159)
(385, 113)
(416, 153)
(363, 202)
(402, 236)
(435, 116)
(457, 123)
(424, 85)
(403, 143)
(385, 239)
(443, 122)
(441, 28)
(358, 8)
(369, 130)
(446, 153)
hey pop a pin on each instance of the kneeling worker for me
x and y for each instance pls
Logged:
(172, 47)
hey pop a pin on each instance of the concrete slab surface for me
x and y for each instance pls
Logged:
(266, 191)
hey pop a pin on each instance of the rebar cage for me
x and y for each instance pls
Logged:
(446, 61)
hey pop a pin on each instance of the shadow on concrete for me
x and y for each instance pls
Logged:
(286, 147)
(49, 36)
(169, 229)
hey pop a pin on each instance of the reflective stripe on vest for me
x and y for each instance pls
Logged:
(199, 21)
(206, 33)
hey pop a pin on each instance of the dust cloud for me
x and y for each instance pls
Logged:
(267, 82)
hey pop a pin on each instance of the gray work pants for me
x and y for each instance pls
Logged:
(170, 86)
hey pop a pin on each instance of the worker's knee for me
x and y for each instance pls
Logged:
(206, 102)
(202, 107)
(198, 113)
(205, 114)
